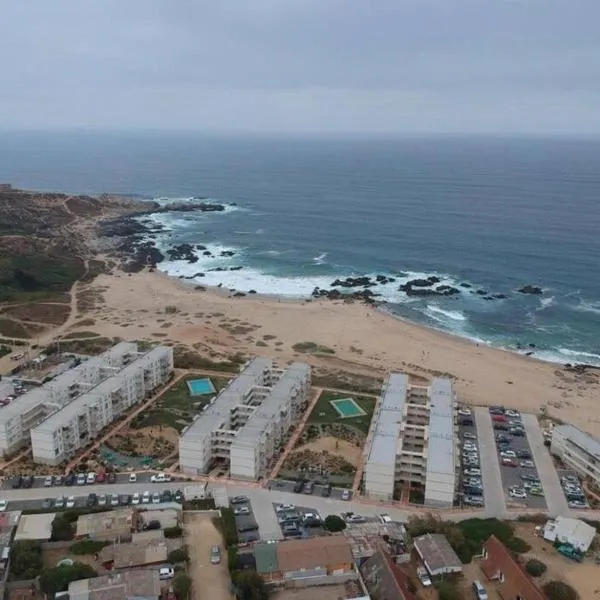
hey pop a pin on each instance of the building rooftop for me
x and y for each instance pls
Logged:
(441, 441)
(115, 521)
(585, 441)
(119, 586)
(142, 552)
(366, 538)
(388, 421)
(436, 552)
(294, 555)
(498, 562)
(35, 527)
(265, 556)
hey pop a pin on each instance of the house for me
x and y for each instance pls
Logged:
(437, 555)
(575, 532)
(312, 561)
(139, 554)
(384, 578)
(119, 586)
(110, 525)
(167, 517)
(513, 583)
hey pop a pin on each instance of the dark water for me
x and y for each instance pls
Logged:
(495, 213)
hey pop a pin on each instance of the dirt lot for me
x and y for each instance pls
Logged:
(322, 592)
(334, 446)
(208, 581)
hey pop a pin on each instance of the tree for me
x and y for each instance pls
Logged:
(448, 591)
(26, 559)
(182, 586)
(251, 586)
(535, 567)
(62, 528)
(334, 523)
(178, 555)
(58, 578)
(558, 590)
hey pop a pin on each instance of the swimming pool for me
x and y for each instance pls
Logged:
(201, 387)
(347, 408)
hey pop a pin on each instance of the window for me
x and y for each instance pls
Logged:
(501, 578)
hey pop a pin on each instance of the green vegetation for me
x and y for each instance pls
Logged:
(63, 525)
(536, 568)
(199, 504)
(334, 523)
(4, 350)
(352, 382)
(11, 328)
(26, 560)
(228, 527)
(311, 348)
(250, 586)
(448, 590)
(178, 556)
(182, 586)
(175, 407)
(87, 547)
(37, 272)
(325, 413)
(559, 590)
(467, 537)
(184, 358)
(232, 559)
(173, 532)
(57, 579)
(91, 346)
(79, 335)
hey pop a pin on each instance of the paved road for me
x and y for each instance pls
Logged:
(555, 497)
(493, 494)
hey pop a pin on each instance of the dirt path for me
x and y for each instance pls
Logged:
(208, 580)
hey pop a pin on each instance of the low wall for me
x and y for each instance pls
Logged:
(325, 580)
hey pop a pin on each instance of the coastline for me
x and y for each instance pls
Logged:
(364, 340)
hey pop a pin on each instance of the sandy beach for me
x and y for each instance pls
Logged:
(363, 340)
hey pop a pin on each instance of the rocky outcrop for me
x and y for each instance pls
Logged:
(531, 289)
(182, 252)
(365, 295)
(352, 282)
(423, 288)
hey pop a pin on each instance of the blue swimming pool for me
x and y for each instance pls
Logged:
(347, 408)
(200, 387)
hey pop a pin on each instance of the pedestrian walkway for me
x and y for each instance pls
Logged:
(493, 493)
(555, 497)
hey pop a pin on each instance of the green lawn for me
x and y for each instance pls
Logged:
(324, 412)
(176, 405)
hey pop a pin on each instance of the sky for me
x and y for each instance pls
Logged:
(365, 66)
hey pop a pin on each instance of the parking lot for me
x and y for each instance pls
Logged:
(245, 520)
(327, 491)
(298, 521)
(471, 480)
(520, 479)
(572, 489)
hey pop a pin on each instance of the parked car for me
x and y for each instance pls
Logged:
(133, 478)
(508, 454)
(114, 500)
(509, 462)
(178, 496)
(473, 500)
(385, 518)
(100, 478)
(326, 491)
(156, 498)
(309, 487)
(146, 497)
(472, 472)
(518, 493)
(4, 504)
(160, 478)
(284, 507)
(499, 418)
(469, 436)
(346, 495)
(215, 555)
(513, 413)
(102, 500)
(242, 510)
(473, 491)
(501, 426)
(517, 431)
(167, 496)
(70, 479)
(70, 501)
(47, 504)
(17, 482)
(466, 422)
(59, 502)
(166, 573)
(239, 500)
(245, 527)
(92, 500)
(125, 500)
(90, 478)
(423, 576)
(28, 481)
(136, 498)
(299, 486)
(81, 479)
(464, 412)
(48, 480)
(111, 477)
(577, 504)
(59, 481)
(536, 491)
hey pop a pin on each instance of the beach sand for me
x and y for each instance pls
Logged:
(365, 341)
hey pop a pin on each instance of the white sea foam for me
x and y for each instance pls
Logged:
(564, 355)
(455, 315)
(545, 303)
(592, 307)
(320, 260)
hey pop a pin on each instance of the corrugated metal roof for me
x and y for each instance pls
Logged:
(441, 444)
(265, 556)
(585, 441)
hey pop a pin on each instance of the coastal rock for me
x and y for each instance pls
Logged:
(499, 296)
(207, 253)
(351, 282)
(465, 285)
(481, 292)
(428, 282)
(531, 289)
(235, 268)
(239, 295)
(252, 291)
(200, 288)
(182, 252)
(227, 253)
(217, 269)
(365, 295)
(422, 288)
(200, 247)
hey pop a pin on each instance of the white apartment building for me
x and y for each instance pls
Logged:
(71, 427)
(577, 450)
(248, 420)
(413, 440)
(26, 412)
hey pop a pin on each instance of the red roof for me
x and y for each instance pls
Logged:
(401, 578)
(498, 564)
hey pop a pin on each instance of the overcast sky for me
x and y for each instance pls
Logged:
(530, 66)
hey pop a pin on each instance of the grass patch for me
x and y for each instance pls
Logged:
(80, 335)
(175, 407)
(84, 323)
(352, 382)
(311, 348)
(90, 346)
(184, 358)
(10, 328)
(325, 413)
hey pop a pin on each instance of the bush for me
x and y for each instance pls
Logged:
(87, 547)
(179, 555)
(232, 559)
(58, 579)
(173, 532)
(334, 523)
(229, 528)
(535, 567)
(558, 590)
(250, 586)
(448, 591)
(182, 586)
(518, 545)
(25, 559)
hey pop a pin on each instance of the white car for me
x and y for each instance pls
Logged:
(135, 499)
(48, 481)
(114, 500)
(156, 498)
(166, 573)
(423, 576)
(102, 500)
(468, 447)
(346, 495)
(527, 464)
(242, 510)
(508, 454)
(160, 478)
(385, 518)
(146, 498)
(469, 436)
(3, 505)
(284, 507)
(464, 412)
(70, 501)
(133, 478)
(60, 502)
(81, 479)
(518, 493)
(91, 478)
(472, 472)
(512, 413)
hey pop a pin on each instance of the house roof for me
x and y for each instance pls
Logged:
(132, 555)
(500, 560)
(436, 552)
(265, 556)
(400, 577)
(117, 521)
(294, 555)
(119, 586)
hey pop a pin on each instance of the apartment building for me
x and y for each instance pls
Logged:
(248, 421)
(71, 427)
(413, 441)
(26, 412)
(577, 450)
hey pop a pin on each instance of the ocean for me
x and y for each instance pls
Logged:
(494, 214)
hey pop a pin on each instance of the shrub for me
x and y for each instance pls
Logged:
(173, 532)
(232, 559)
(250, 586)
(179, 555)
(334, 523)
(559, 590)
(182, 586)
(87, 547)
(57, 579)
(229, 528)
(535, 567)
(25, 559)
(518, 545)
